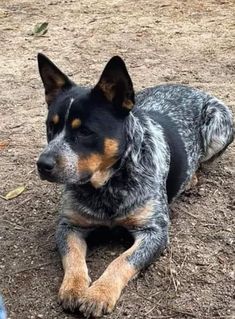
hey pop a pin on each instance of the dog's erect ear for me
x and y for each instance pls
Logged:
(116, 85)
(53, 79)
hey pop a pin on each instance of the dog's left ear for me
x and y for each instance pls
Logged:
(116, 85)
(54, 80)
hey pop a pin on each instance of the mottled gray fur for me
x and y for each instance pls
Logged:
(206, 129)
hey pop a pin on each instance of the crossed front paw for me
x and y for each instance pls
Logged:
(70, 293)
(95, 301)
(98, 300)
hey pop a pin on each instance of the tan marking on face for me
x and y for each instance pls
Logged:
(75, 123)
(55, 119)
(110, 147)
(105, 291)
(110, 153)
(90, 163)
(138, 217)
(76, 278)
(98, 164)
(100, 178)
(128, 104)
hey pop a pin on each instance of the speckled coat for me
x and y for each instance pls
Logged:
(167, 132)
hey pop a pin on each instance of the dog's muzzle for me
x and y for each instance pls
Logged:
(46, 164)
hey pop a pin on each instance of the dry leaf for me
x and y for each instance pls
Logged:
(3, 13)
(40, 29)
(3, 144)
(14, 193)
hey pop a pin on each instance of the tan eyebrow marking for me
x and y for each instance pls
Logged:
(75, 123)
(55, 119)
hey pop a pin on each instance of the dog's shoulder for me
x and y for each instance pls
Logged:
(176, 109)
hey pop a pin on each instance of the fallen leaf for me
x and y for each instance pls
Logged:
(40, 29)
(14, 193)
(3, 13)
(3, 144)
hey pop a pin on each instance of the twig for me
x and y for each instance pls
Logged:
(161, 317)
(119, 312)
(140, 295)
(30, 172)
(172, 272)
(148, 312)
(194, 216)
(183, 263)
(184, 313)
(16, 226)
(23, 202)
(16, 126)
(30, 268)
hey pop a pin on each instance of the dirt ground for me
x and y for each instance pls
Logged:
(190, 42)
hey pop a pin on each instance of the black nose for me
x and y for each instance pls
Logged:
(45, 163)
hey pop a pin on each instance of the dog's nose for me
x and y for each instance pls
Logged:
(45, 163)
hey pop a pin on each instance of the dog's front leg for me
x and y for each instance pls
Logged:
(72, 247)
(150, 240)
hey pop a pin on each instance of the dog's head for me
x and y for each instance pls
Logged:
(85, 127)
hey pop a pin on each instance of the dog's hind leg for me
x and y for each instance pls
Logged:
(217, 130)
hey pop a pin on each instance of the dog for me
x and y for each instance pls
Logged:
(122, 158)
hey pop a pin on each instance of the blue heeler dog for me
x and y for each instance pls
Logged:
(122, 157)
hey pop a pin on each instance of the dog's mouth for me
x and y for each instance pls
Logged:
(52, 177)
(47, 176)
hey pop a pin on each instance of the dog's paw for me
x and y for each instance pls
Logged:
(70, 293)
(98, 300)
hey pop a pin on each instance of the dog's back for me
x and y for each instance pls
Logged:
(197, 128)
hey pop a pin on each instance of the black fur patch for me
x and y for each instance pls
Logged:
(178, 157)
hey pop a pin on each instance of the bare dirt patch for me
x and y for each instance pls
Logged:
(190, 42)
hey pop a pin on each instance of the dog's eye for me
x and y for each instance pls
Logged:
(52, 129)
(84, 131)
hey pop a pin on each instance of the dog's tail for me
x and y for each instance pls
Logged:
(217, 129)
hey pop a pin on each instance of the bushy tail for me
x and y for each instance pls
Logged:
(217, 129)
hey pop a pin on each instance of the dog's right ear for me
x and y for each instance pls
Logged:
(53, 79)
(116, 85)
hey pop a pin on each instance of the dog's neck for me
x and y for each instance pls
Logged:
(137, 173)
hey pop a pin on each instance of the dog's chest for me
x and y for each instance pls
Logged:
(135, 218)
(117, 199)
